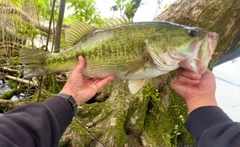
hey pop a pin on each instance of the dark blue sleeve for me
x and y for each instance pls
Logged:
(36, 124)
(211, 127)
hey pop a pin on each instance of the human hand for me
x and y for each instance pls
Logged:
(82, 89)
(197, 90)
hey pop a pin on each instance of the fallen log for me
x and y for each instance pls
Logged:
(21, 80)
(3, 69)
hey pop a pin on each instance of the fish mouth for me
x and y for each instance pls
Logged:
(203, 61)
(212, 41)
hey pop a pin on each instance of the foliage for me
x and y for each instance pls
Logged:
(129, 9)
(70, 19)
(27, 30)
(120, 5)
(51, 84)
(124, 6)
(86, 11)
(7, 95)
(42, 7)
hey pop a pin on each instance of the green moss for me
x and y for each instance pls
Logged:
(116, 131)
(90, 111)
(7, 95)
(156, 127)
(15, 61)
(164, 123)
(17, 86)
(136, 117)
(51, 85)
(44, 96)
(120, 134)
(86, 138)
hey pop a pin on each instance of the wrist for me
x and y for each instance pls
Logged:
(200, 101)
(71, 101)
(68, 91)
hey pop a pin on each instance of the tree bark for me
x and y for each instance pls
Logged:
(155, 116)
(59, 26)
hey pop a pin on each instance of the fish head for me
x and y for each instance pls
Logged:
(202, 50)
(177, 45)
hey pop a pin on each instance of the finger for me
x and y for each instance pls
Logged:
(208, 72)
(81, 65)
(208, 75)
(184, 80)
(188, 74)
(103, 82)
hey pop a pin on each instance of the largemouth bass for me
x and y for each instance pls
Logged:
(129, 51)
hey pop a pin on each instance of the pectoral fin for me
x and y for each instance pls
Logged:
(139, 65)
(135, 85)
(134, 66)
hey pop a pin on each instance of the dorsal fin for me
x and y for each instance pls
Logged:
(117, 21)
(76, 31)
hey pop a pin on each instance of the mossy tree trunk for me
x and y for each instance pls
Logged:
(155, 116)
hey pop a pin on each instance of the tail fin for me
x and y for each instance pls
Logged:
(32, 60)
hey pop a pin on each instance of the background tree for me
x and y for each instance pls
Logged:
(85, 11)
(59, 26)
(128, 7)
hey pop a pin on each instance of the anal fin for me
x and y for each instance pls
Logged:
(135, 85)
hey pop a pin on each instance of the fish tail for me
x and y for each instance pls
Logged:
(33, 60)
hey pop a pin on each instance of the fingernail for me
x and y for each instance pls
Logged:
(196, 82)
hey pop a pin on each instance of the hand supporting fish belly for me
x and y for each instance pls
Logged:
(130, 51)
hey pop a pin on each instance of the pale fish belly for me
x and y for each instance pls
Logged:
(144, 73)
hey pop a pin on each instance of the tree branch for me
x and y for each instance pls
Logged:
(20, 80)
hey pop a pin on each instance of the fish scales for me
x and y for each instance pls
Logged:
(121, 52)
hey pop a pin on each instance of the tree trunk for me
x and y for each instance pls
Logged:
(155, 116)
(59, 26)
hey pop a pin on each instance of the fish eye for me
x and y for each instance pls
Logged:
(192, 33)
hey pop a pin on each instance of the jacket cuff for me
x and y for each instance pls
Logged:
(203, 118)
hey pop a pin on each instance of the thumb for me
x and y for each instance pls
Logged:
(80, 65)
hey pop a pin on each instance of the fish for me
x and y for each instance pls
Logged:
(131, 51)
